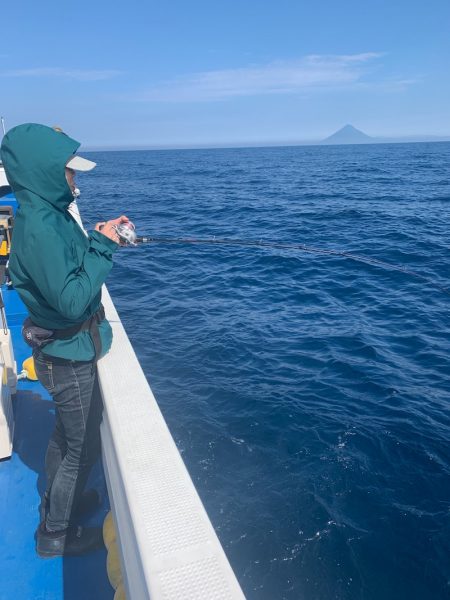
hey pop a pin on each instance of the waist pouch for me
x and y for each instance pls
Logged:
(37, 337)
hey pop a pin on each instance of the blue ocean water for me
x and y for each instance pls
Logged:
(309, 395)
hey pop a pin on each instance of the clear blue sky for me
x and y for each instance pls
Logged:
(203, 72)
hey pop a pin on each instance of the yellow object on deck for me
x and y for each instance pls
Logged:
(4, 248)
(120, 593)
(28, 366)
(113, 559)
(109, 531)
(113, 565)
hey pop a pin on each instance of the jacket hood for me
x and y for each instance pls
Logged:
(34, 157)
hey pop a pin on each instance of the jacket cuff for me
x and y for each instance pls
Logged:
(102, 243)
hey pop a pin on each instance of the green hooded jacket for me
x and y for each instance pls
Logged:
(57, 270)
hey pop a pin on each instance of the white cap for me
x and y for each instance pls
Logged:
(78, 163)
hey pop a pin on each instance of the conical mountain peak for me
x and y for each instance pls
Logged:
(348, 135)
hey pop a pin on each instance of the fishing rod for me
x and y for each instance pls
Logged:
(128, 237)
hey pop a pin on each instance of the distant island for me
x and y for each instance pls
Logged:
(350, 135)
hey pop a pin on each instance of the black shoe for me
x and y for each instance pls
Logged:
(73, 541)
(89, 501)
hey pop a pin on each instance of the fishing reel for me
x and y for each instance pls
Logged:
(127, 234)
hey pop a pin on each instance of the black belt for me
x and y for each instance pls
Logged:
(90, 325)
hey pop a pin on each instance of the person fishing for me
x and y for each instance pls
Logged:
(58, 272)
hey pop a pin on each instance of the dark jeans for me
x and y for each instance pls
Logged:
(75, 442)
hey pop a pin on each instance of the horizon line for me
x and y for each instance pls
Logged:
(262, 144)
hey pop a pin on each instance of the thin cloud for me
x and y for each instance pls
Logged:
(280, 77)
(391, 84)
(74, 74)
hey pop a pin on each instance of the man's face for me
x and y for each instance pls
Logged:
(70, 177)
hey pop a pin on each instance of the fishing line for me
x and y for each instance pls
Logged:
(128, 236)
